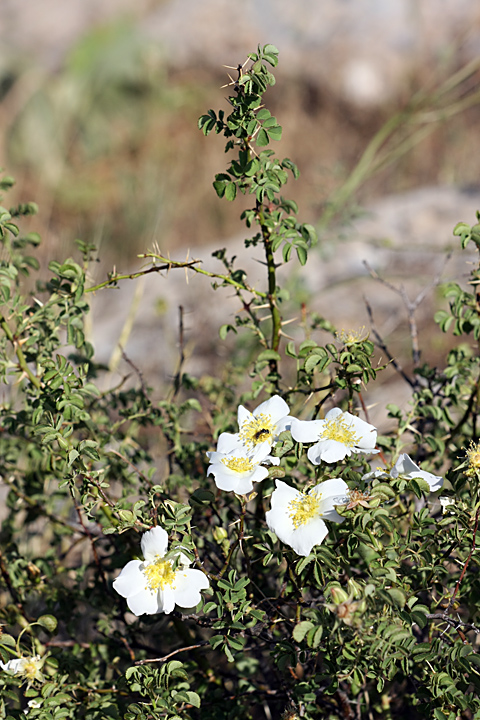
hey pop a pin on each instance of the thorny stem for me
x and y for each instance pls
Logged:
(272, 288)
(474, 540)
(237, 543)
(168, 264)
(22, 363)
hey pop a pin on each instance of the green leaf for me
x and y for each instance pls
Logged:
(219, 186)
(262, 138)
(225, 329)
(193, 698)
(301, 629)
(267, 355)
(263, 114)
(301, 254)
(49, 622)
(275, 133)
(231, 191)
(398, 597)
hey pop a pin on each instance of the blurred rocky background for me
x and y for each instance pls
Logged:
(380, 105)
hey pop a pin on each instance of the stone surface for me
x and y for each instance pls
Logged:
(405, 238)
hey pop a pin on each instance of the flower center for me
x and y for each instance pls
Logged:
(159, 574)
(337, 429)
(239, 465)
(257, 430)
(473, 455)
(30, 668)
(351, 337)
(303, 509)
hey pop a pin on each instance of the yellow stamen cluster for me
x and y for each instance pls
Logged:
(31, 668)
(473, 457)
(240, 465)
(259, 429)
(304, 509)
(159, 574)
(337, 429)
(351, 337)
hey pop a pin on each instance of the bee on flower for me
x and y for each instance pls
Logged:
(265, 423)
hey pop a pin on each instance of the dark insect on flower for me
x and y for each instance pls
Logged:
(260, 433)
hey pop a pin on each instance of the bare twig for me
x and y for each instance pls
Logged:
(381, 344)
(177, 382)
(474, 540)
(457, 624)
(92, 545)
(138, 372)
(411, 307)
(172, 654)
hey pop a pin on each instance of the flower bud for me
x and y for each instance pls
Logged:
(338, 595)
(220, 534)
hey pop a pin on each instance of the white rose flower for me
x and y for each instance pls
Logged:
(153, 586)
(298, 518)
(338, 435)
(29, 667)
(235, 468)
(406, 466)
(266, 422)
(445, 502)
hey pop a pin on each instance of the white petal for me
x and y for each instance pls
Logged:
(283, 495)
(327, 450)
(276, 408)
(284, 424)
(306, 431)
(379, 474)
(404, 466)
(228, 442)
(332, 492)
(308, 535)
(366, 433)
(166, 600)
(188, 584)
(142, 602)
(154, 542)
(280, 523)
(243, 416)
(240, 483)
(272, 460)
(131, 580)
(333, 413)
(435, 481)
(261, 452)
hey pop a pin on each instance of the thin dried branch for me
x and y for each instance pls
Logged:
(411, 307)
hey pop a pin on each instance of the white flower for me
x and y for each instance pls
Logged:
(338, 435)
(29, 667)
(266, 422)
(445, 502)
(406, 466)
(298, 518)
(153, 586)
(235, 468)
(33, 704)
